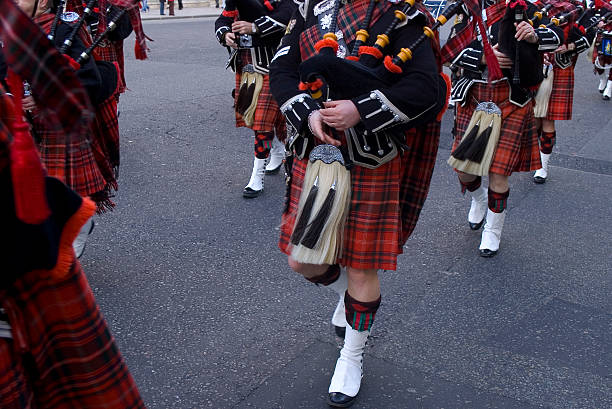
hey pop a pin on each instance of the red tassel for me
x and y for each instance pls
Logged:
(326, 42)
(75, 65)
(140, 51)
(364, 49)
(96, 10)
(26, 171)
(495, 72)
(391, 66)
(268, 5)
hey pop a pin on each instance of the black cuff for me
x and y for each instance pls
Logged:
(377, 112)
(581, 44)
(220, 33)
(547, 39)
(469, 59)
(297, 110)
(267, 25)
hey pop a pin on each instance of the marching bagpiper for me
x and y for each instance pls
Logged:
(563, 61)
(112, 47)
(252, 29)
(56, 350)
(600, 23)
(89, 169)
(361, 87)
(495, 125)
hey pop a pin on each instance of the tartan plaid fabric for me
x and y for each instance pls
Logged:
(562, 95)
(106, 129)
(560, 7)
(517, 149)
(30, 55)
(360, 314)
(133, 11)
(349, 21)
(112, 51)
(62, 355)
(385, 203)
(81, 164)
(268, 117)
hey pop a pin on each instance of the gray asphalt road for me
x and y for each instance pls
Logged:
(207, 314)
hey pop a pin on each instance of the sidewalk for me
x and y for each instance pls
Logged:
(187, 12)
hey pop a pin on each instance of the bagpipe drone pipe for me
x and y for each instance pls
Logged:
(73, 23)
(111, 26)
(605, 18)
(328, 77)
(566, 17)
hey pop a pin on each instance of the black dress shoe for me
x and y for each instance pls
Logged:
(487, 253)
(274, 171)
(340, 331)
(340, 400)
(539, 180)
(250, 193)
(476, 226)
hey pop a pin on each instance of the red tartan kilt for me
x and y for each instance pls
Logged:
(385, 203)
(72, 162)
(562, 95)
(73, 360)
(268, 117)
(112, 51)
(106, 134)
(517, 149)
